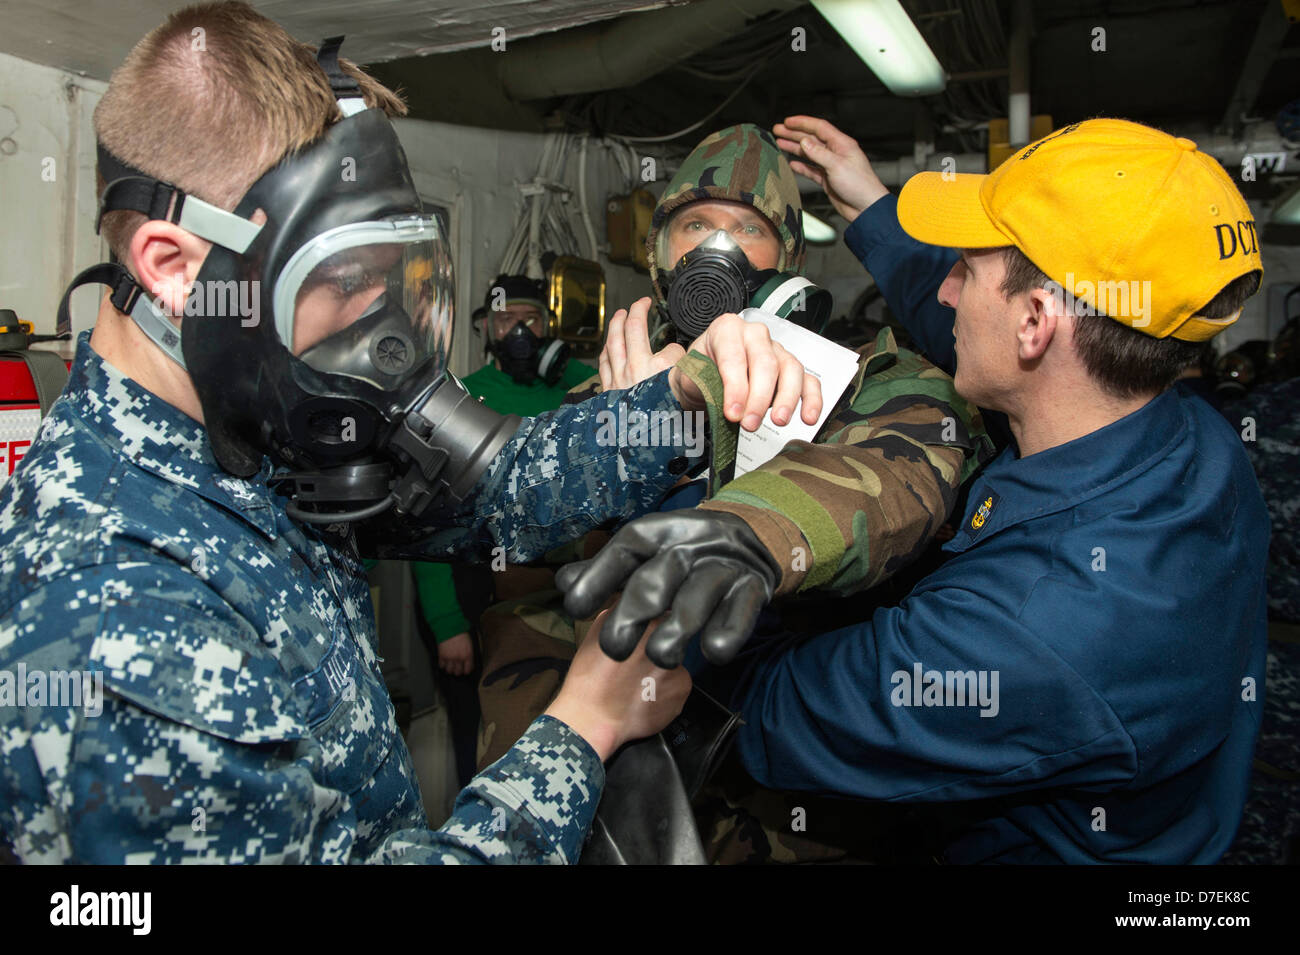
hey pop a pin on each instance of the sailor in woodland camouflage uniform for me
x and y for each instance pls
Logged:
(842, 513)
(900, 433)
(188, 674)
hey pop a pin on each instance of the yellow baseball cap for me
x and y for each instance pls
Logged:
(1135, 223)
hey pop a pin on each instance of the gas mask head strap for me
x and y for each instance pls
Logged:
(130, 189)
(128, 297)
(346, 89)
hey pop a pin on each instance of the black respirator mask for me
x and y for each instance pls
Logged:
(525, 357)
(716, 278)
(321, 338)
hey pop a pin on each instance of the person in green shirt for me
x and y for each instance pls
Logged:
(528, 374)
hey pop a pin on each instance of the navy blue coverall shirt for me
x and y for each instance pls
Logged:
(1085, 675)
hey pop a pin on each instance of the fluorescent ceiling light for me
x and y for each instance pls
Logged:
(1285, 212)
(816, 231)
(881, 32)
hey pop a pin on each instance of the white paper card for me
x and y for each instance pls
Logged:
(833, 365)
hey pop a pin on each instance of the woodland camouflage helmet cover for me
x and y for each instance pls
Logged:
(744, 164)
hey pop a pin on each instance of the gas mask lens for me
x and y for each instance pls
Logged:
(697, 222)
(371, 300)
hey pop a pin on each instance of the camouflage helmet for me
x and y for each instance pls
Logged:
(743, 164)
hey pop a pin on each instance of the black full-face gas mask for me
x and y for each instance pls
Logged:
(321, 337)
(521, 353)
(525, 357)
(716, 278)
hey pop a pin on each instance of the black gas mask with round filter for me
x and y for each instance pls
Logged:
(716, 278)
(525, 357)
(320, 338)
(521, 352)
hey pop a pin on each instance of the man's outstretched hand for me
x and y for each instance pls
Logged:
(833, 160)
(705, 569)
(627, 357)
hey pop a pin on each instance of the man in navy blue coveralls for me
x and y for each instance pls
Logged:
(1082, 680)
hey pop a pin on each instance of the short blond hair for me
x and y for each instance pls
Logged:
(212, 99)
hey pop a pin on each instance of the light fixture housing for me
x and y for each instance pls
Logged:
(817, 232)
(881, 32)
(1286, 211)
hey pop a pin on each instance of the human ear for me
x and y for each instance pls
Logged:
(1038, 323)
(166, 259)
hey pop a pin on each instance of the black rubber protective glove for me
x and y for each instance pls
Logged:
(706, 569)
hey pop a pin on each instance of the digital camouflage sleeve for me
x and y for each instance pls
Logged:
(187, 674)
(555, 479)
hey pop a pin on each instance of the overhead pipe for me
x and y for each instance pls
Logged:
(1018, 110)
(623, 52)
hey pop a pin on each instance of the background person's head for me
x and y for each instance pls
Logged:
(517, 313)
(1095, 265)
(514, 320)
(511, 301)
(210, 101)
(738, 181)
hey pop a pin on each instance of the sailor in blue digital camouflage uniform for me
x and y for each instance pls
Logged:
(184, 537)
(1082, 679)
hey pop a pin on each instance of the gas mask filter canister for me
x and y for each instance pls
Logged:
(716, 278)
(525, 357)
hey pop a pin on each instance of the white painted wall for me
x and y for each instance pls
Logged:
(1281, 267)
(47, 190)
(837, 270)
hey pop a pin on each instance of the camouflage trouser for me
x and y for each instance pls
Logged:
(527, 646)
(744, 823)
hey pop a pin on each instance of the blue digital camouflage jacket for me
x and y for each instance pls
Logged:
(187, 674)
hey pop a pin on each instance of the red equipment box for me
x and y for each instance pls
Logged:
(20, 414)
